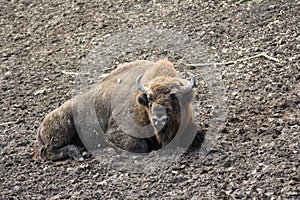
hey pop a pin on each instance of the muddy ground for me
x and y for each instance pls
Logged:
(257, 151)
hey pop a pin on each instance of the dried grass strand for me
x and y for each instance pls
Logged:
(235, 61)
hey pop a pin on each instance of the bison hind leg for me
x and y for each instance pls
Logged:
(55, 154)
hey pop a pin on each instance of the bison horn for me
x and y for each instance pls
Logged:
(139, 85)
(189, 87)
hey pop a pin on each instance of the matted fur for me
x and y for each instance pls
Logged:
(58, 137)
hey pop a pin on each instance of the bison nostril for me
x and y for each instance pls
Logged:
(155, 121)
(160, 121)
(164, 120)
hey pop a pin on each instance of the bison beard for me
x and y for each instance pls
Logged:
(160, 100)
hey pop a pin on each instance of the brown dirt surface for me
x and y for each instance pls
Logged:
(257, 152)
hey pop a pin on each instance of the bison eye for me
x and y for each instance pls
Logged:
(145, 100)
(149, 97)
(150, 104)
(149, 100)
(142, 99)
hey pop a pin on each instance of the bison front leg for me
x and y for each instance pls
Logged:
(57, 136)
(128, 142)
(192, 133)
(199, 138)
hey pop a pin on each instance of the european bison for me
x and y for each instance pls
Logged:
(155, 100)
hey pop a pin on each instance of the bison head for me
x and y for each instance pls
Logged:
(164, 99)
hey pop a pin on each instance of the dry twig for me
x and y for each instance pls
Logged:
(7, 123)
(235, 61)
(69, 73)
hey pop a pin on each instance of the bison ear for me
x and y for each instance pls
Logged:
(188, 97)
(142, 99)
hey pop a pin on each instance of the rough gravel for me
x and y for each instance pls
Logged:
(257, 153)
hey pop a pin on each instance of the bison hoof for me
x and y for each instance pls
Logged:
(71, 151)
(79, 158)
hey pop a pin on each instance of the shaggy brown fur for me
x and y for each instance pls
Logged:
(58, 137)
